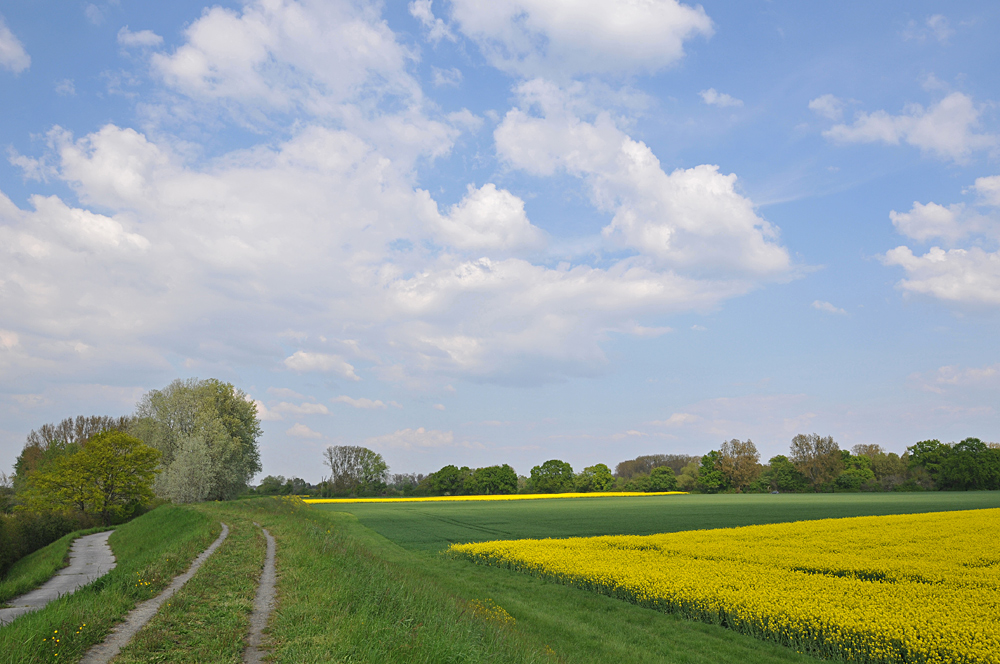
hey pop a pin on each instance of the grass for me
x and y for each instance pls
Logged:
(38, 567)
(150, 550)
(208, 619)
(434, 526)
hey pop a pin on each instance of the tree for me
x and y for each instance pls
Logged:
(869, 450)
(492, 480)
(662, 478)
(687, 480)
(738, 461)
(817, 458)
(929, 455)
(221, 416)
(857, 473)
(783, 476)
(355, 470)
(51, 441)
(189, 478)
(711, 479)
(553, 476)
(971, 465)
(109, 476)
(271, 485)
(594, 478)
(449, 481)
(644, 465)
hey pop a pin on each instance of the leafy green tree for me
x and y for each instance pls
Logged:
(784, 477)
(687, 479)
(271, 485)
(220, 416)
(816, 457)
(52, 441)
(711, 479)
(738, 461)
(644, 465)
(355, 470)
(553, 476)
(112, 474)
(449, 481)
(971, 465)
(662, 478)
(857, 473)
(930, 456)
(492, 480)
(594, 478)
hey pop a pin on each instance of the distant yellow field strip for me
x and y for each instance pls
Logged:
(513, 496)
(910, 588)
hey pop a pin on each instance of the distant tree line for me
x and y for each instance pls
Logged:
(814, 463)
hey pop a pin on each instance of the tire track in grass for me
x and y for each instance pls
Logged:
(140, 615)
(262, 606)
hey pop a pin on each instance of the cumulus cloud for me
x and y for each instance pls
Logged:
(936, 27)
(435, 27)
(565, 38)
(264, 414)
(963, 276)
(946, 129)
(722, 100)
(418, 439)
(13, 57)
(828, 308)
(828, 106)
(690, 219)
(451, 77)
(489, 218)
(302, 431)
(359, 403)
(142, 38)
(932, 221)
(988, 189)
(305, 408)
(303, 361)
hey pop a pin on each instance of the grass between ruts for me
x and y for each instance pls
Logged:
(208, 619)
(38, 567)
(150, 551)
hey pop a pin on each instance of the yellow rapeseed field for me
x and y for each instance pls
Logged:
(909, 588)
(512, 496)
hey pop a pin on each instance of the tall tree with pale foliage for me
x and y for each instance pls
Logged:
(816, 457)
(739, 461)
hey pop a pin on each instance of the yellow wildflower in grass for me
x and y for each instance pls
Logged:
(908, 588)
(491, 611)
(510, 496)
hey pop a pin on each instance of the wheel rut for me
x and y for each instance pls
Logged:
(262, 606)
(144, 612)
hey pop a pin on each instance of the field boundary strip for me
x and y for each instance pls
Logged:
(498, 497)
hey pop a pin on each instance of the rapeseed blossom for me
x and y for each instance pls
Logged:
(908, 588)
(510, 496)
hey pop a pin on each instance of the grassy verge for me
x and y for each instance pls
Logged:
(36, 568)
(340, 600)
(207, 620)
(151, 550)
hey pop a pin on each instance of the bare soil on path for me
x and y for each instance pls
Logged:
(262, 606)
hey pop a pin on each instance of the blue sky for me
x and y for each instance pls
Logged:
(502, 232)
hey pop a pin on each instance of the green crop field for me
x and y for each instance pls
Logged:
(432, 526)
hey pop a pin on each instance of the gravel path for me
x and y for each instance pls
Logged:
(90, 558)
(140, 615)
(263, 604)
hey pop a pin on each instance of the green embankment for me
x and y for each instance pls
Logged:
(38, 567)
(433, 526)
(150, 551)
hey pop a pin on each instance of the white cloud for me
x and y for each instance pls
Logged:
(722, 100)
(8, 339)
(284, 393)
(489, 218)
(952, 223)
(143, 38)
(988, 189)
(13, 57)
(264, 414)
(446, 77)
(93, 14)
(954, 376)
(302, 431)
(438, 406)
(945, 129)
(435, 27)
(934, 27)
(564, 38)
(691, 219)
(418, 439)
(305, 408)
(828, 308)
(303, 361)
(677, 419)
(828, 107)
(964, 276)
(65, 88)
(360, 403)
